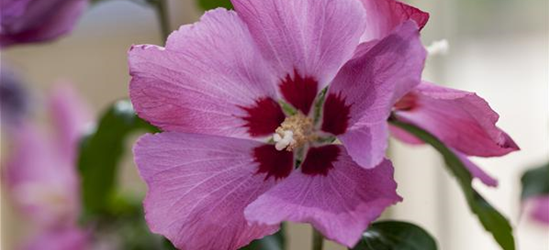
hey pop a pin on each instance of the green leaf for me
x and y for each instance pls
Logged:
(535, 182)
(276, 241)
(395, 235)
(100, 155)
(490, 218)
(212, 4)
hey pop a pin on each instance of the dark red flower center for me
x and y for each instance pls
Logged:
(299, 91)
(319, 160)
(264, 117)
(336, 117)
(278, 164)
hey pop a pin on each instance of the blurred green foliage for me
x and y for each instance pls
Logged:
(396, 235)
(212, 4)
(535, 182)
(276, 241)
(101, 152)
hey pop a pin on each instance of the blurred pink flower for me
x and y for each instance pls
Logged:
(223, 174)
(540, 210)
(67, 238)
(26, 21)
(40, 172)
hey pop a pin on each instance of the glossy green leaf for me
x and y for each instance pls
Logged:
(100, 155)
(212, 4)
(276, 241)
(490, 218)
(396, 235)
(535, 182)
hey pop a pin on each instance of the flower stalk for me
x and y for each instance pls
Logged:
(163, 17)
(318, 240)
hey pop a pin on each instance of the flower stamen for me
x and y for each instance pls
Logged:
(294, 132)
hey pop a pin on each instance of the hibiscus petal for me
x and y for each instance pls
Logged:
(70, 117)
(306, 41)
(403, 136)
(382, 16)
(210, 79)
(460, 119)
(367, 143)
(340, 204)
(363, 93)
(199, 186)
(476, 171)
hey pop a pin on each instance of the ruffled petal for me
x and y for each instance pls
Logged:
(340, 202)
(361, 96)
(460, 119)
(306, 41)
(199, 186)
(382, 16)
(210, 79)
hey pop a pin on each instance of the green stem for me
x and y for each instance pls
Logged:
(318, 240)
(163, 17)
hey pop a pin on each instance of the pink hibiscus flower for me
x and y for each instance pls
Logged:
(41, 177)
(224, 172)
(25, 21)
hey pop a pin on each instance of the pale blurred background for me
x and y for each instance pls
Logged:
(499, 49)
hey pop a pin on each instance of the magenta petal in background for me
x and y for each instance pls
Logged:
(382, 16)
(70, 117)
(540, 210)
(41, 183)
(69, 238)
(199, 186)
(204, 79)
(26, 21)
(460, 119)
(340, 204)
(312, 37)
(41, 170)
(367, 88)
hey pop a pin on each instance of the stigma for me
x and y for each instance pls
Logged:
(294, 132)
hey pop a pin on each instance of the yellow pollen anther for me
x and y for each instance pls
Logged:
(294, 132)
